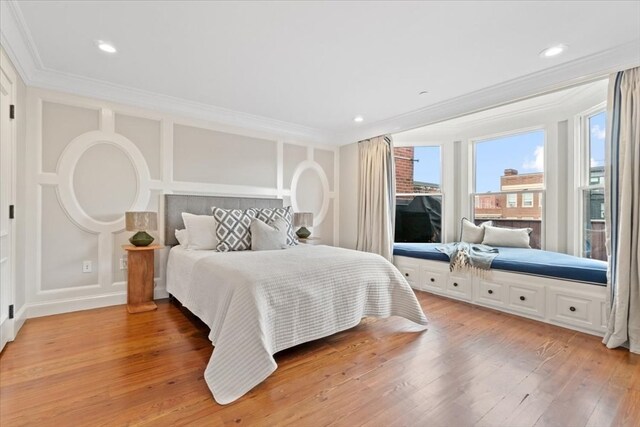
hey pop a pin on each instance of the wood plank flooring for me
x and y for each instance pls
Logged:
(471, 367)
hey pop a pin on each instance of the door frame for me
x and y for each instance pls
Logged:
(8, 329)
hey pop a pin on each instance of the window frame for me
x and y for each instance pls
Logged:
(524, 199)
(473, 144)
(582, 181)
(511, 203)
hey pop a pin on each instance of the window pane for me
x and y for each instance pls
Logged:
(496, 207)
(593, 245)
(510, 163)
(418, 219)
(417, 170)
(509, 182)
(596, 148)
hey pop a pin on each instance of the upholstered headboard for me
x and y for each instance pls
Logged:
(175, 204)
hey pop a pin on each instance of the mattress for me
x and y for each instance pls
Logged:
(519, 260)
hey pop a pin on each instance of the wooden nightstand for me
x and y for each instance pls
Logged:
(140, 278)
(311, 241)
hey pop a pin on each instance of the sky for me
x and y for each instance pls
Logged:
(427, 168)
(597, 129)
(523, 152)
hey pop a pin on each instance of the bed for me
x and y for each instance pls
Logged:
(258, 303)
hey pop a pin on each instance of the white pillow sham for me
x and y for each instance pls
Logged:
(201, 231)
(507, 237)
(183, 238)
(265, 237)
(472, 233)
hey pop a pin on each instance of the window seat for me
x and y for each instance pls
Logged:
(528, 261)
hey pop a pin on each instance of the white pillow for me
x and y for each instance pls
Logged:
(183, 238)
(508, 237)
(201, 231)
(472, 233)
(265, 237)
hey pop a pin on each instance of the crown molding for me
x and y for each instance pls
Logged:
(16, 38)
(568, 74)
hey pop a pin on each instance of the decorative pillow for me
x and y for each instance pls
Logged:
(508, 237)
(201, 231)
(472, 233)
(233, 228)
(183, 238)
(270, 214)
(270, 236)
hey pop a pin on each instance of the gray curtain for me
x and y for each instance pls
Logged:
(622, 199)
(376, 196)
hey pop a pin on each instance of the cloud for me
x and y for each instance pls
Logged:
(537, 164)
(598, 132)
(596, 163)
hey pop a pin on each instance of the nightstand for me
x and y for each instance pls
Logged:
(311, 241)
(140, 278)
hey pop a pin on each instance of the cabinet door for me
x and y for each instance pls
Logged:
(527, 299)
(491, 293)
(459, 287)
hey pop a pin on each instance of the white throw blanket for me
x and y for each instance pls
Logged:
(258, 303)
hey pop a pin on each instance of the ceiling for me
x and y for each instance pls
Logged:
(315, 65)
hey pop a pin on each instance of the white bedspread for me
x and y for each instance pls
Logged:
(258, 303)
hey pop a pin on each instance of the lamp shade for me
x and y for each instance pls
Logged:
(303, 219)
(141, 221)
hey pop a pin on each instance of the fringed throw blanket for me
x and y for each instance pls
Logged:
(469, 257)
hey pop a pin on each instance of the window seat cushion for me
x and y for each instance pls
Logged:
(520, 260)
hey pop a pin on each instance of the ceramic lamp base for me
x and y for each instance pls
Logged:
(141, 238)
(303, 233)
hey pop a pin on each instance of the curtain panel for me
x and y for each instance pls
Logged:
(376, 196)
(622, 203)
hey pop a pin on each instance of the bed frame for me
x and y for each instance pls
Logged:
(175, 204)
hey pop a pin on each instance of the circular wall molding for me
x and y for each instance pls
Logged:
(66, 169)
(318, 217)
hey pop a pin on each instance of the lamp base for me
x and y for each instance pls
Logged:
(303, 233)
(141, 238)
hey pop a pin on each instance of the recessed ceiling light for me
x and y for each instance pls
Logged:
(358, 119)
(552, 51)
(106, 47)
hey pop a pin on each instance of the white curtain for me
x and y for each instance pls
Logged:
(376, 196)
(622, 198)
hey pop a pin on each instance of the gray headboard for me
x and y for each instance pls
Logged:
(175, 204)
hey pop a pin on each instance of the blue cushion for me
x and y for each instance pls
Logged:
(530, 261)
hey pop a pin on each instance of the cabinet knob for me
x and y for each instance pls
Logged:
(433, 280)
(455, 284)
(572, 308)
(406, 274)
(490, 291)
(522, 298)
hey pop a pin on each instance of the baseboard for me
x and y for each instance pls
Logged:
(19, 320)
(69, 305)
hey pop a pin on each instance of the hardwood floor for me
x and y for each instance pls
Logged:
(471, 367)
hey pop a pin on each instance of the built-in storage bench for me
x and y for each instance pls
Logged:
(572, 304)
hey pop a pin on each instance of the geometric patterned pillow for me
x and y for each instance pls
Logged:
(267, 215)
(233, 229)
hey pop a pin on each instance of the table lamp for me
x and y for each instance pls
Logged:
(303, 220)
(141, 222)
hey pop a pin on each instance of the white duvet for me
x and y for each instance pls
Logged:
(258, 303)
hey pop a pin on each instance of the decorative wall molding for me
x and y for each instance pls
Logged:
(318, 217)
(110, 289)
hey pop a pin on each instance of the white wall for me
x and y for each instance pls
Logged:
(86, 161)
